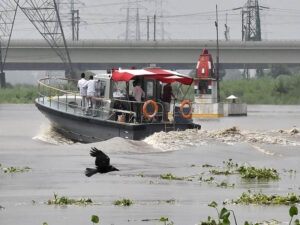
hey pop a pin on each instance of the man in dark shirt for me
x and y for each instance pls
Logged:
(167, 95)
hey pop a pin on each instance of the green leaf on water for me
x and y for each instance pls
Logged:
(226, 221)
(224, 214)
(293, 211)
(45, 223)
(163, 219)
(246, 223)
(95, 219)
(213, 204)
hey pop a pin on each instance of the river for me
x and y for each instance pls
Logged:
(267, 137)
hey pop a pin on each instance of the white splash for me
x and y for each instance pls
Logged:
(48, 135)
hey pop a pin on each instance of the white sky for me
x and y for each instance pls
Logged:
(105, 19)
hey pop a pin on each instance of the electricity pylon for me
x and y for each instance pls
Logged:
(75, 20)
(8, 11)
(133, 21)
(251, 26)
(44, 15)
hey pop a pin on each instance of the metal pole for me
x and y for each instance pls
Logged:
(148, 27)
(77, 21)
(154, 28)
(64, 39)
(217, 29)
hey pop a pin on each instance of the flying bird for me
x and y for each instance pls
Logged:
(102, 163)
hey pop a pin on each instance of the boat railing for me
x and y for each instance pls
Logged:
(62, 94)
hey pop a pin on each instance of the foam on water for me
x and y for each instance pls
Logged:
(176, 140)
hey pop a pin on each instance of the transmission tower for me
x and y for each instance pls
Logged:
(8, 11)
(75, 20)
(44, 15)
(251, 28)
(159, 11)
(133, 31)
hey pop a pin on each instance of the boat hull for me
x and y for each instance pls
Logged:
(88, 129)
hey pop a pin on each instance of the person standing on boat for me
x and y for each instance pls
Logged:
(138, 94)
(82, 90)
(91, 89)
(166, 98)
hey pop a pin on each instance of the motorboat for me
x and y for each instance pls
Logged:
(116, 113)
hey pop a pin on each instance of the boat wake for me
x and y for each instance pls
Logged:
(176, 140)
(48, 135)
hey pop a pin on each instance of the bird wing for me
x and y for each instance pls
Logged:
(102, 160)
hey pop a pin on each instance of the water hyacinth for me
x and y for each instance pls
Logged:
(262, 199)
(66, 201)
(256, 173)
(124, 202)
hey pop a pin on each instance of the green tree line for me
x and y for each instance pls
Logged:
(19, 94)
(283, 90)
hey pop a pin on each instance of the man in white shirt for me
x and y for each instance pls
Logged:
(91, 89)
(82, 90)
(138, 94)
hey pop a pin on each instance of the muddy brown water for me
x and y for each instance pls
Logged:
(267, 137)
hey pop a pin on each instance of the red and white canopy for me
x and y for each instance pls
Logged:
(165, 76)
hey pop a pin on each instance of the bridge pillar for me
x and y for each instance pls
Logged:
(2, 80)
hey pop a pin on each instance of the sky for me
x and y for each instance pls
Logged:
(181, 19)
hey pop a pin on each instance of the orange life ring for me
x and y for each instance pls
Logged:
(148, 116)
(185, 116)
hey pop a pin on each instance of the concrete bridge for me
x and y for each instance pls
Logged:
(101, 54)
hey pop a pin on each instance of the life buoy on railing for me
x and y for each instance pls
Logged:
(148, 116)
(185, 116)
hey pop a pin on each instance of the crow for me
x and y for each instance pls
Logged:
(102, 163)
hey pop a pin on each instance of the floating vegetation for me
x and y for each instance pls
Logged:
(220, 172)
(124, 202)
(66, 201)
(255, 173)
(141, 175)
(230, 164)
(224, 215)
(15, 169)
(170, 176)
(207, 165)
(192, 165)
(262, 199)
(165, 220)
(45, 223)
(210, 179)
(291, 171)
(2, 207)
(225, 185)
(95, 219)
(170, 201)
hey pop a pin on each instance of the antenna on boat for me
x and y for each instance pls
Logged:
(8, 10)
(44, 15)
